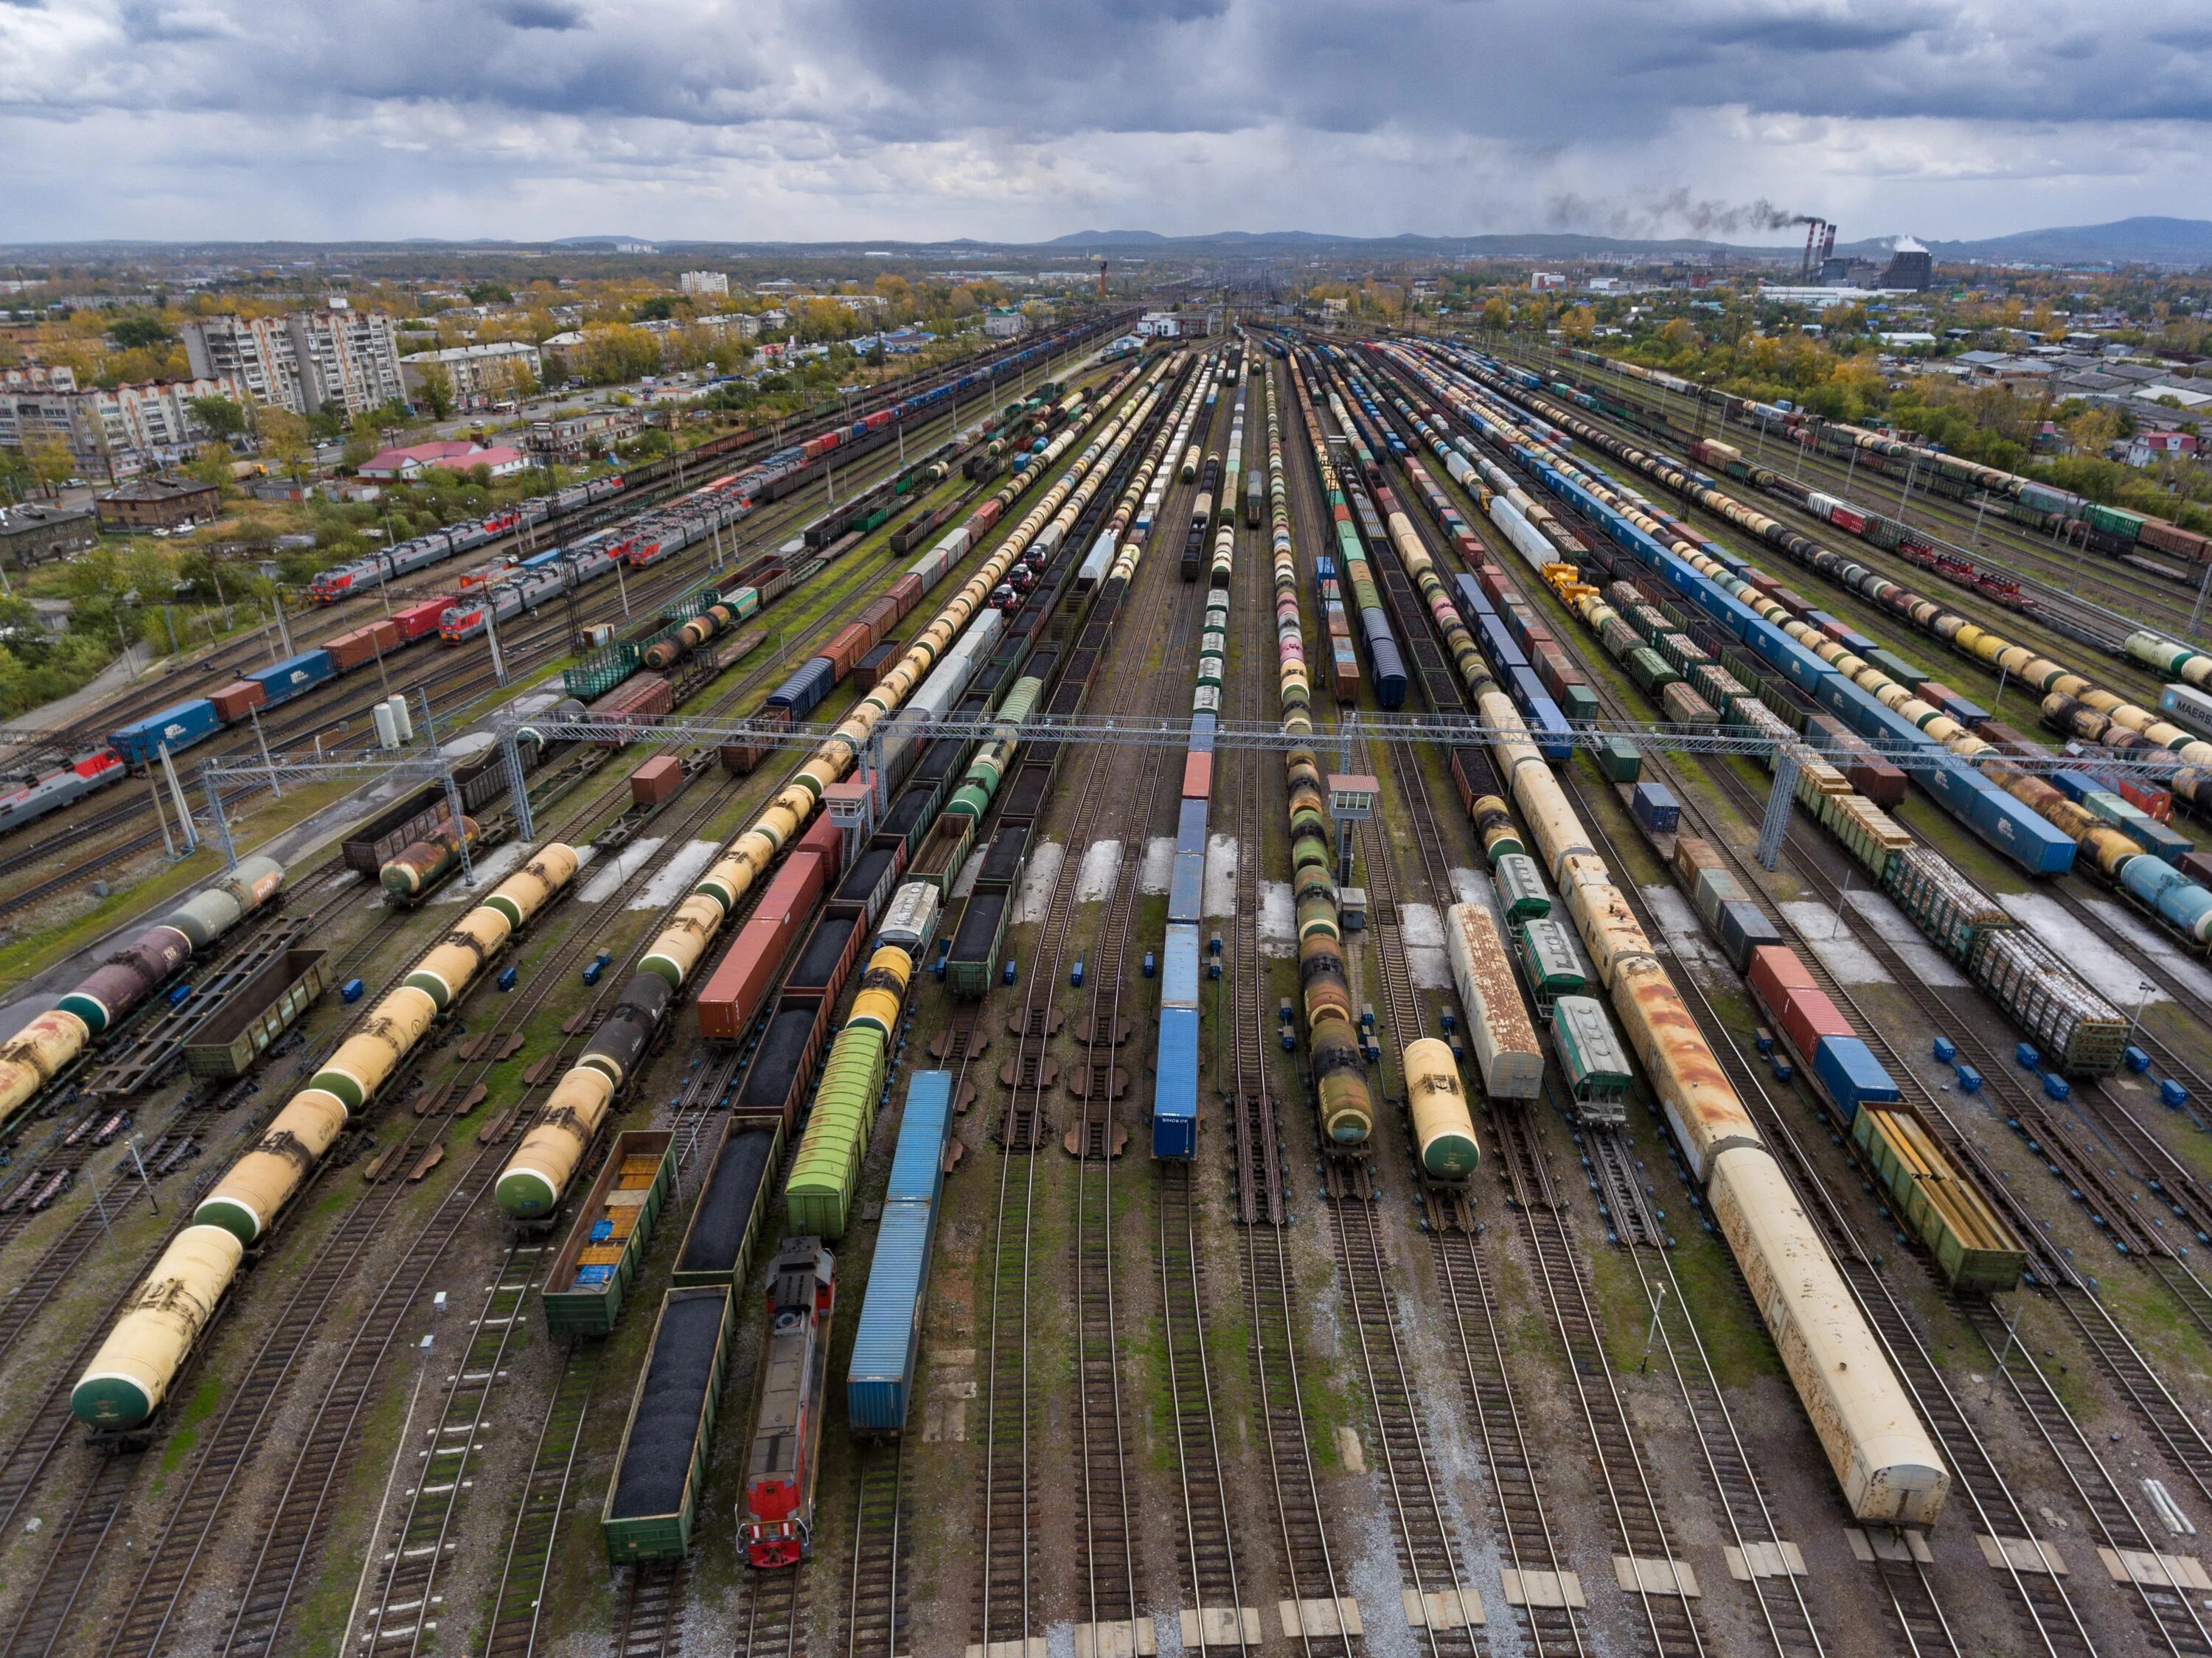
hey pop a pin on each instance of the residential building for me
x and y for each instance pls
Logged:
(113, 433)
(33, 532)
(156, 503)
(705, 281)
(581, 435)
(2146, 447)
(1004, 324)
(1543, 282)
(455, 454)
(338, 359)
(480, 374)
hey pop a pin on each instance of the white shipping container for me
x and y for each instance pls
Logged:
(1504, 1040)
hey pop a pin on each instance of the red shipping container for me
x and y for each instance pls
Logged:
(1834, 630)
(232, 700)
(1786, 990)
(419, 621)
(1197, 776)
(1876, 779)
(826, 842)
(348, 651)
(2155, 804)
(733, 993)
(656, 781)
(1492, 580)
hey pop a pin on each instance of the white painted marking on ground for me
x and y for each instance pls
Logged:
(2118, 979)
(1929, 965)
(1037, 881)
(468, 743)
(491, 870)
(1156, 873)
(1102, 867)
(1682, 932)
(964, 882)
(670, 881)
(1831, 939)
(626, 862)
(535, 702)
(1221, 890)
(1279, 919)
(2160, 948)
(1470, 886)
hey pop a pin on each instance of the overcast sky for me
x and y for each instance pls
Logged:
(752, 119)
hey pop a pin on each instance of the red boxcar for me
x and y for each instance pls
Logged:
(739, 986)
(1795, 1003)
(847, 647)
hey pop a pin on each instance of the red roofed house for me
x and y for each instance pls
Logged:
(458, 455)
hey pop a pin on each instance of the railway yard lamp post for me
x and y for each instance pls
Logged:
(144, 1179)
(2143, 989)
(1652, 1334)
(1981, 507)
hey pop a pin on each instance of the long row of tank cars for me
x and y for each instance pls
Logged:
(833, 913)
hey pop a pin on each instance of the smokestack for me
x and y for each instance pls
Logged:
(1828, 245)
(1812, 239)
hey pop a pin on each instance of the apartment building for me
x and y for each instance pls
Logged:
(338, 359)
(713, 282)
(480, 374)
(113, 433)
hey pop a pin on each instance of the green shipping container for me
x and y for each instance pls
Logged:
(653, 1498)
(1617, 759)
(1579, 703)
(1895, 666)
(584, 1292)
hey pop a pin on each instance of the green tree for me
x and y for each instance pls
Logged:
(657, 308)
(285, 439)
(211, 464)
(219, 417)
(50, 462)
(489, 293)
(139, 331)
(434, 389)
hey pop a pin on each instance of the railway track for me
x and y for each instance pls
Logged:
(518, 1603)
(876, 1586)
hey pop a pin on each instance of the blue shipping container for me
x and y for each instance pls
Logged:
(1185, 888)
(879, 1381)
(178, 727)
(1175, 1096)
(1179, 966)
(1656, 808)
(1743, 928)
(281, 680)
(1848, 1070)
(918, 1164)
(2156, 838)
(1190, 827)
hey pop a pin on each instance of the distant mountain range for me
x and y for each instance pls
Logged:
(2149, 240)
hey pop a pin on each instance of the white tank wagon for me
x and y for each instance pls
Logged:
(1883, 1456)
(259, 1185)
(161, 1324)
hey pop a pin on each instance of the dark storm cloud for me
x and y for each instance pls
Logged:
(1598, 112)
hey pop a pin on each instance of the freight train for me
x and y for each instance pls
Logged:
(1889, 1468)
(52, 1042)
(535, 1178)
(2039, 505)
(137, 1366)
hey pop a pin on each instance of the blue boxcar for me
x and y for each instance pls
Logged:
(282, 681)
(803, 692)
(2072, 784)
(1187, 886)
(918, 1164)
(1473, 600)
(1847, 1069)
(1389, 666)
(1175, 1095)
(879, 1380)
(1553, 735)
(178, 726)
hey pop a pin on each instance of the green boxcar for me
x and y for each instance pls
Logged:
(817, 1198)
(2113, 520)
(1521, 888)
(593, 1272)
(1974, 1248)
(1650, 671)
(1579, 703)
(653, 1500)
(1617, 757)
(1549, 961)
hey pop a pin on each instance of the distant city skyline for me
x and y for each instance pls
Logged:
(534, 119)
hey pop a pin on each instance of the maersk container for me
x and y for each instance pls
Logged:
(887, 1345)
(1175, 1095)
(294, 676)
(176, 728)
(1850, 1075)
(661, 1466)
